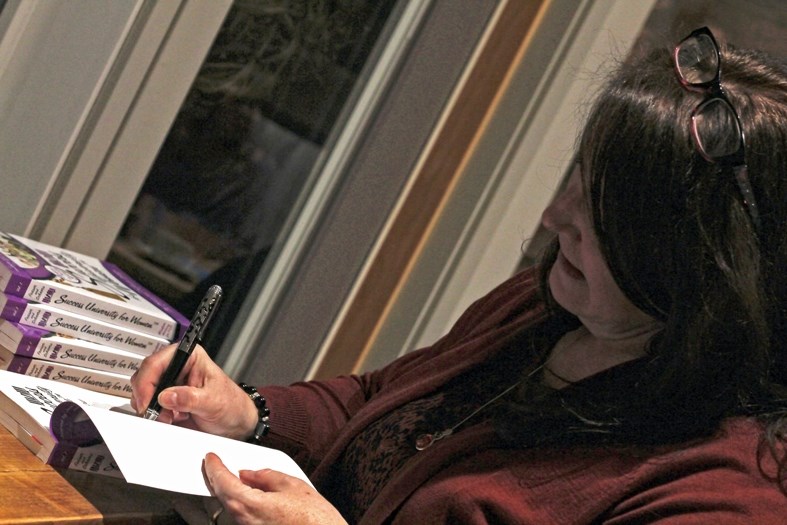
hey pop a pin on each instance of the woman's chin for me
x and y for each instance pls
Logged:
(565, 288)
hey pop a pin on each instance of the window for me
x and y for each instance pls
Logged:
(246, 140)
(103, 83)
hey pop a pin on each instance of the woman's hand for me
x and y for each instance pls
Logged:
(208, 399)
(268, 497)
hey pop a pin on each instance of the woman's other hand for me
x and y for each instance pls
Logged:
(206, 398)
(268, 497)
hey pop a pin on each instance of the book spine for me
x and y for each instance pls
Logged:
(25, 345)
(18, 364)
(31, 342)
(10, 281)
(80, 353)
(95, 459)
(48, 318)
(10, 308)
(94, 380)
(47, 292)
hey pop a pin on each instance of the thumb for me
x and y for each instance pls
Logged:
(270, 480)
(183, 399)
(220, 480)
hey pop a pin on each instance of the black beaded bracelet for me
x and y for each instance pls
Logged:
(263, 427)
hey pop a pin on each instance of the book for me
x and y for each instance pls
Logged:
(27, 341)
(26, 408)
(47, 317)
(90, 379)
(143, 452)
(84, 285)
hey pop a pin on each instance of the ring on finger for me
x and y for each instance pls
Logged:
(214, 520)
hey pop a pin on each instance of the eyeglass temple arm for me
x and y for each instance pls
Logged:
(742, 178)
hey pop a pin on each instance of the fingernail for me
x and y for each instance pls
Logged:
(168, 399)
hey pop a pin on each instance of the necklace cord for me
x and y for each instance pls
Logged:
(424, 441)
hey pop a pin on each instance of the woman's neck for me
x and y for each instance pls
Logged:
(582, 353)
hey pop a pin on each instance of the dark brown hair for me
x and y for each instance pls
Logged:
(681, 246)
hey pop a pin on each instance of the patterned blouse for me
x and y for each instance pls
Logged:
(389, 443)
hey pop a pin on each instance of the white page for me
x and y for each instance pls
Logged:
(50, 394)
(168, 457)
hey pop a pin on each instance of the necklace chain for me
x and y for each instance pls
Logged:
(426, 440)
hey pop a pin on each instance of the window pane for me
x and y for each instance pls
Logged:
(242, 147)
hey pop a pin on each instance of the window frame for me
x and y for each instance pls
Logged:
(524, 148)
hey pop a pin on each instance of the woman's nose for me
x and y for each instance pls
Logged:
(560, 213)
(565, 211)
(550, 218)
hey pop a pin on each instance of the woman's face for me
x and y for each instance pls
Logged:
(580, 280)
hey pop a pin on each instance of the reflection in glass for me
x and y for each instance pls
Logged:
(242, 147)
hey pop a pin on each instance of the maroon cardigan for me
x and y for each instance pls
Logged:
(469, 478)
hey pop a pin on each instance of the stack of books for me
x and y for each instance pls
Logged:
(73, 318)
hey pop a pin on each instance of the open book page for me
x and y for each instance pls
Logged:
(26, 408)
(40, 411)
(168, 457)
(30, 401)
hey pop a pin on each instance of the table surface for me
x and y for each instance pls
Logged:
(32, 492)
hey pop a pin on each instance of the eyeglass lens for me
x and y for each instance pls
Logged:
(697, 60)
(716, 129)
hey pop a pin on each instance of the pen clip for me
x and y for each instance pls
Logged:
(206, 309)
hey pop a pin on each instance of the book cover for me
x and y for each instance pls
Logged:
(47, 317)
(91, 458)
(145, 452)
(27, 406)
(95, 380)
(84, 285)
(35, 343)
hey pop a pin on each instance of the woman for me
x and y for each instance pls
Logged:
(637, 378)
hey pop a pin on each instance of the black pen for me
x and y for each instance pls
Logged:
(193, 335)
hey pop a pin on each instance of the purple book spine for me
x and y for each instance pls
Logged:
(61, 455)
(68, 424)
(18, 280)
(30, 338)
(19, 365)
(14, 308)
